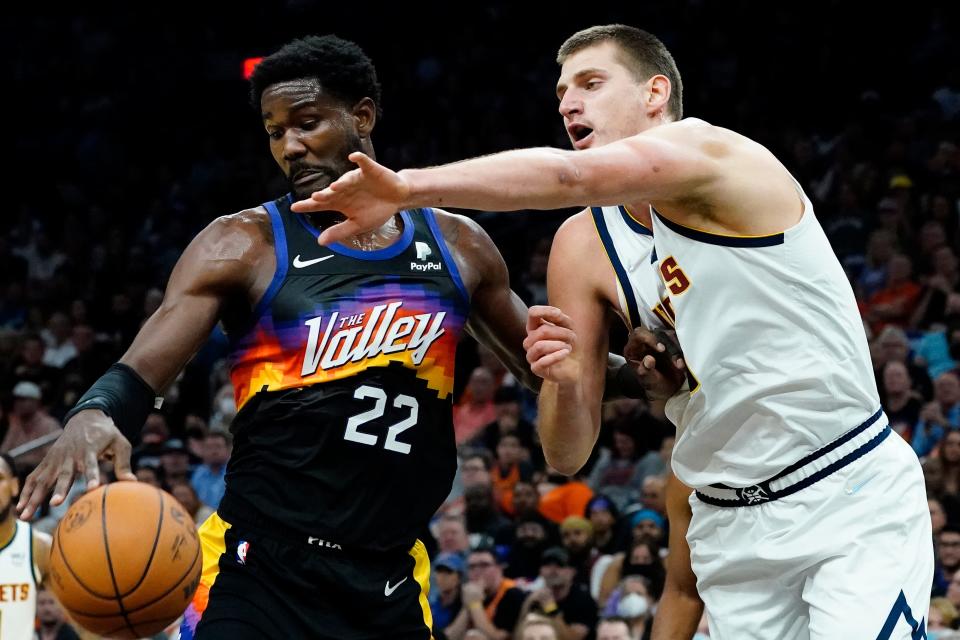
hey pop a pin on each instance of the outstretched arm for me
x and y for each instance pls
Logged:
(652, 166)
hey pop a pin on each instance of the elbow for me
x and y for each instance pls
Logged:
(570, 176)
(564, 462)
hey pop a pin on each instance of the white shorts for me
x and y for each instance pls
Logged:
(849, 557)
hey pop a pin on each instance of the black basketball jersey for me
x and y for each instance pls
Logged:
(344, 384)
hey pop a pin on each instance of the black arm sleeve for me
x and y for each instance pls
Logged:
(121, 394)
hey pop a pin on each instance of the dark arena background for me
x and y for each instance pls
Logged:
(130, 130)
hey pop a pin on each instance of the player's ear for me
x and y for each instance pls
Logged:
(365, 116)
(657, 93)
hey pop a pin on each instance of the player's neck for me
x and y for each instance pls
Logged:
(641, 213)
(8, 529)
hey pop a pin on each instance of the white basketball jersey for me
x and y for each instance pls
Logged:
(629, 246)
(18, 586)
(772, 336)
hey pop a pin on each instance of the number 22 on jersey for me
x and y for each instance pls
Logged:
(353, 432)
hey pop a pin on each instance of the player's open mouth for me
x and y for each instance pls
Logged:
(581, 135)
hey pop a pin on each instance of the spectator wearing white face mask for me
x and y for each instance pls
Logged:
(635, 605)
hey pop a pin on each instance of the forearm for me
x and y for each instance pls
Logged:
(458, 628)
(568, 427)
(540, 178)
(678, 616)
(569, 631)
(483, 624)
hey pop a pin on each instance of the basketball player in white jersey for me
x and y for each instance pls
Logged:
(24, 557)
(809, 521)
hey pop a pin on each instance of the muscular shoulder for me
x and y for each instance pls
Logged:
(477, 257)
(237, 236)
(232, 247)
(578, 231)
(711, 140)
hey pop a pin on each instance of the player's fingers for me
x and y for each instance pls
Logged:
(338, 232)
(307, 205)
(64, 481)
(365, 162)
(349, 179)
(546, 347)
(542, 366)
(90, 469)
(641, 340)
(552, 332)
(550, 314)
(34, 489)
(121, 460)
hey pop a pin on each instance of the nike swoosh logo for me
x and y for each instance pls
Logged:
(300, 264)
(388, 590)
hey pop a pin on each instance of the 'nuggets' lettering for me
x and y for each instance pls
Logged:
(14, 592)
(664, 311)
(673, 276)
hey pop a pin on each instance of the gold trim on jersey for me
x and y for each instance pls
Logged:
(421, 574)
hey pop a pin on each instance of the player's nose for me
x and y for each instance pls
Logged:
(293, 146)
(570, 105)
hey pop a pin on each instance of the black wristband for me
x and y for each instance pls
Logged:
(121, 394)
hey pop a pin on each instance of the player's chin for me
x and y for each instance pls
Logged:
(304, 188)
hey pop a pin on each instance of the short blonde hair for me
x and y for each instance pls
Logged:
(535, 620)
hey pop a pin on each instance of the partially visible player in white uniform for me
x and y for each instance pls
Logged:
(24, 557)
(809, 520)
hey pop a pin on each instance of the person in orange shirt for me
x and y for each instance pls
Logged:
(895, 302)
(561, 497)
(509, 469)
(491, 603)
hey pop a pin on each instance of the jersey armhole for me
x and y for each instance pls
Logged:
(434, 227)
(624, 289)
(280, 251)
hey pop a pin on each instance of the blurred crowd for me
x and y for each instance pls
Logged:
(147, 152)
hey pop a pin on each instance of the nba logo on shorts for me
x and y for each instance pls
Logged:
(242, 549)
(423, 251)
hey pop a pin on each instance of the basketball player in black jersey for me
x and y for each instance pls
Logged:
(342, 362)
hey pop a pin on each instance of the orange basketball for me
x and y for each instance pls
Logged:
(125, 560)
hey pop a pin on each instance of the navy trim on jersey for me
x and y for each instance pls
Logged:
(280, 250)
(634, 225)
(33, 567)
(625, 285)
(715, 238)
(386, 253)
(902, 610)
(434, 227)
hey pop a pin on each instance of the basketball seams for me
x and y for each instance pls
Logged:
(116, 612)
(153, 551)
(106, 546)
(196, 557)
(66, 563)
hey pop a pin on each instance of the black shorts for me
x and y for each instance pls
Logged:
(256, 586)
